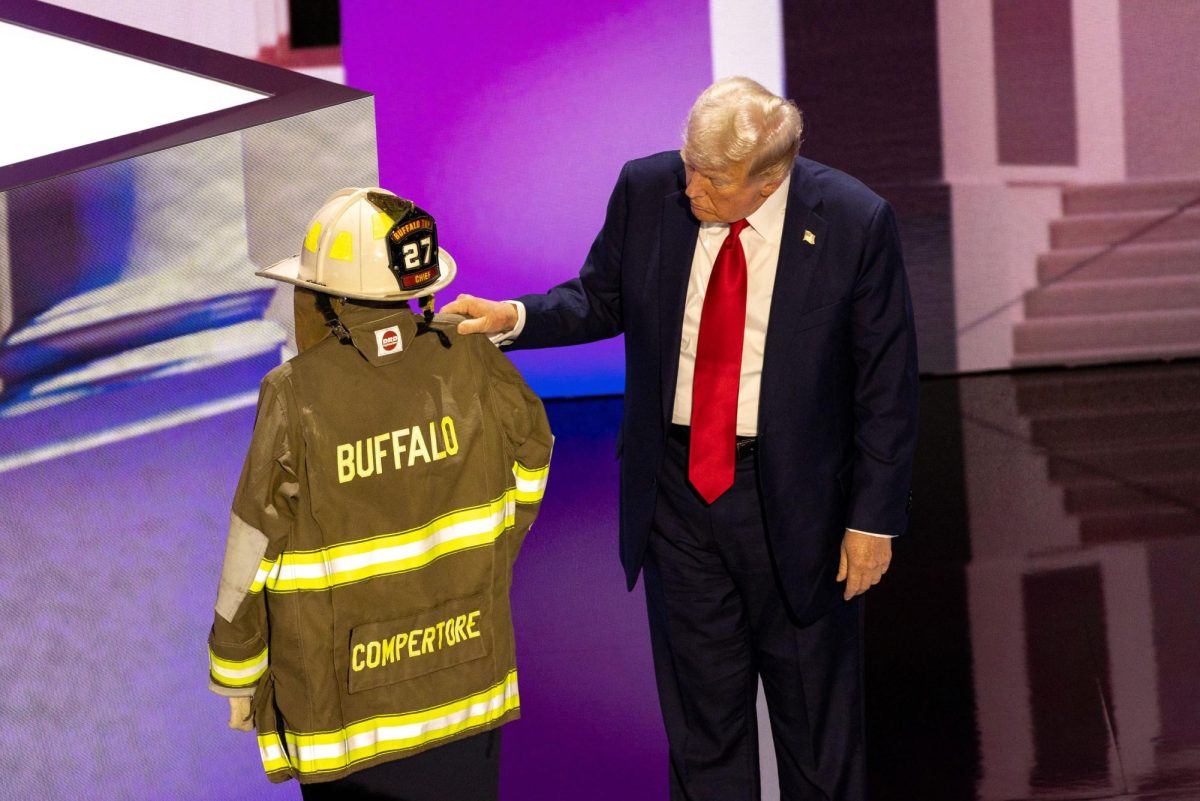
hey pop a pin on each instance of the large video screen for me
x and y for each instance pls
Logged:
(1041, 154)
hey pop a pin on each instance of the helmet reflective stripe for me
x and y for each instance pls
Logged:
(339, 226)
(380, 225)
(343, 247)
(314, 236)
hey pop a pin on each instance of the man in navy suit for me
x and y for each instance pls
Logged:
(770, 418)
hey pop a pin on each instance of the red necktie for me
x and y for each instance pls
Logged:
(719, 371)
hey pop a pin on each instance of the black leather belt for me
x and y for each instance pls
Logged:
(744, 448)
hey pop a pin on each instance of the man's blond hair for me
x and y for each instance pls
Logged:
(737, 120)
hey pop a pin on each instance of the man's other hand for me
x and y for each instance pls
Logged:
(487, 316)
(239, 713)
(864, 561)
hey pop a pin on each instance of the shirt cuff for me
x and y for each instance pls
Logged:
(509, 337)
(873, 534)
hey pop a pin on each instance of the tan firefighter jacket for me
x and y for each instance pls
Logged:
(364, 597)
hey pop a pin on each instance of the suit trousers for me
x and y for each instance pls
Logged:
(718, 622)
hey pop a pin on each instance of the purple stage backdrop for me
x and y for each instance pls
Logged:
(511, 128)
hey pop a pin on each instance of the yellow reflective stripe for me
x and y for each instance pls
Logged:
(336, 750)
(393, 553)
(270, 749)
(380, 224)
(237, 672)
(531, 484)
(265, 569)
(313, 237)
(343, 247)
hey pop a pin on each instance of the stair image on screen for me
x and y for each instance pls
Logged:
(1121, 280)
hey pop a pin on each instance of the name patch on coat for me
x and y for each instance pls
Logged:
(399, 650)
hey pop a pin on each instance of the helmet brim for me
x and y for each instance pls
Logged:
(288, 270)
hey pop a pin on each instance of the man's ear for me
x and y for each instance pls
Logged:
(769, 189)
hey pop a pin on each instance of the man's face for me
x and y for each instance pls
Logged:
(725, 197)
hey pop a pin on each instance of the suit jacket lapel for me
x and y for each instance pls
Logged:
(798, 264)
(679, 232)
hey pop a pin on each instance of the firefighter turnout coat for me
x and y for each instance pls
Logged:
(363, 601)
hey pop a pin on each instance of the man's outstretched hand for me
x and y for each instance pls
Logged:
(864, 561)
(486, 316)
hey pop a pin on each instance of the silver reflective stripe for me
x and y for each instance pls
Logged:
(244, 550)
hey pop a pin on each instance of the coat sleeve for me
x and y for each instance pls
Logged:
(586, 308)
(260, 524)
(527, 433)
(885, 396)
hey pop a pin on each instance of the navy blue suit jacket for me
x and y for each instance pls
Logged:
(838, 406)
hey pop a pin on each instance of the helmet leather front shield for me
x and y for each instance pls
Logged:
(413, 249)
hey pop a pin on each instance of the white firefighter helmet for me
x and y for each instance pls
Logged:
(366, 243)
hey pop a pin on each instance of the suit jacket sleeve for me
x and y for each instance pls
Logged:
(586, 308)
(885, 396)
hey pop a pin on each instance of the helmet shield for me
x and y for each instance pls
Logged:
(413, 248)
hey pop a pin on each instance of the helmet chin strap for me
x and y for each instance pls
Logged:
(426, 324)
(325, 306)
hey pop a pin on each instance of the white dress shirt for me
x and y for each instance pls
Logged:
(760, 243)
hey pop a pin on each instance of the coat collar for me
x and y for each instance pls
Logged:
(380, 334)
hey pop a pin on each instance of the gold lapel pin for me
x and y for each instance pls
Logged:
(810, 237)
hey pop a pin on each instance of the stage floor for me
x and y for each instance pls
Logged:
(1038, 635)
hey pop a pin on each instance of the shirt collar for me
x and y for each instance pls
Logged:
(767, 219)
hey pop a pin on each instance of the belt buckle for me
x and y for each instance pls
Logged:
(745, 447)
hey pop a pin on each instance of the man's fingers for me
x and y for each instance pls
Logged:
(460, 305)
(842, 564)
(856, 586)
(474, 325)
(852, 579)
(864, 561)
(860, 578)
(483, 316)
